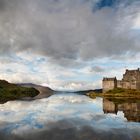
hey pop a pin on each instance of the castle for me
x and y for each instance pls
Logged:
(130, 80)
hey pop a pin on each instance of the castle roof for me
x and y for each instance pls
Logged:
(132, 71)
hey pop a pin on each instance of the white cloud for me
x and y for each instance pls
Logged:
(55, 42)
(137, 22)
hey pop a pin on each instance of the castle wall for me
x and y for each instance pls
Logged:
(133, 85)
(138, 85)
(131, 75)
(119, 84)
(108, 85)
(126, 85)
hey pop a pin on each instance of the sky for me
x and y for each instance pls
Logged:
(68, 44)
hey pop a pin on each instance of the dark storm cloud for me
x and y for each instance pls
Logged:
(65, 30)
(96, 69)
(2, 5)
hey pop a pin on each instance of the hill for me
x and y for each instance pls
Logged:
(9, 91)
(44, 91)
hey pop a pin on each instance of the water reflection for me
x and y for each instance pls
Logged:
(131, 109)
(66, 117)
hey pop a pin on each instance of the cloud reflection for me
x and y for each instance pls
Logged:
(62, 116)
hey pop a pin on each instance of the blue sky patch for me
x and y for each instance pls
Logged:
(106, 3)
(114, 3)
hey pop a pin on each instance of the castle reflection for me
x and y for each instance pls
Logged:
(131, 109)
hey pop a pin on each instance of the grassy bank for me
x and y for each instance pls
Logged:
(10, 91)
(117, 93)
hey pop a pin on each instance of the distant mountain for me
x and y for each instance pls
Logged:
(9, 91)
(88, 91)
(81, 92)
(44, 91)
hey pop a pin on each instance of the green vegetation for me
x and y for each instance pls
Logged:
(117, 93)
(10, 91)
(116, 90)
(93, 95)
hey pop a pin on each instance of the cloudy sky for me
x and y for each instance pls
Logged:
(68, 44)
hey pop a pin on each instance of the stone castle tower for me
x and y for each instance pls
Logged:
(109, 83)
(130, 80)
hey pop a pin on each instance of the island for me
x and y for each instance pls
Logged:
(128, 87)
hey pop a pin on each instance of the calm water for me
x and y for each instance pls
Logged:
(69, 117)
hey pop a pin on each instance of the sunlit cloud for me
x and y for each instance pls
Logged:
(137, 23)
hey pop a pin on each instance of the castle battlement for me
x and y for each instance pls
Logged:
(109, 79)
